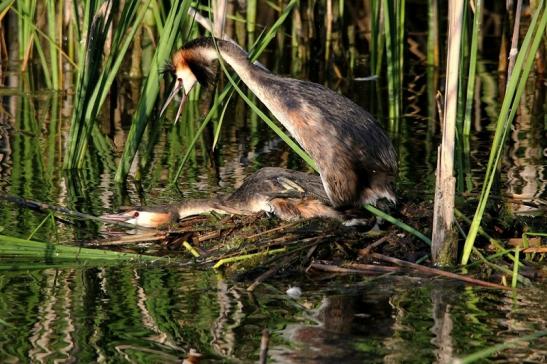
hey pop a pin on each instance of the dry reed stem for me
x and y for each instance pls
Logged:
(444, 237)
(434, 271)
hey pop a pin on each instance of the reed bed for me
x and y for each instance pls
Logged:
(96, 40)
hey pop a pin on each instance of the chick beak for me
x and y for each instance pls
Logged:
(178, 87)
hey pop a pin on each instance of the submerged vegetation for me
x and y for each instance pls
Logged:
(85, 132)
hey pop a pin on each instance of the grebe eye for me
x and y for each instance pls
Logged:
(136, 214)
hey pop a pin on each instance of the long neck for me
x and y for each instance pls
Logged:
(198, 206)
(238, 60)
(259, 80)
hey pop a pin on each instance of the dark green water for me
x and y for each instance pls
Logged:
(56, 311)
(156, 314)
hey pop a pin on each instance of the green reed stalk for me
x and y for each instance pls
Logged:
(501, 268)
(391, 65)
(197, 134)
(469, 98)
(53, 53)
(44, 63)
(377, 37)
(251, 21)
(433, 33)
(127, 27)
(513, 94)
(495, 243)
(218, 127)
(462, 80)
(5, 5)
(26, 9)
(401, 16)
(394, 19)
(47, 218)
(515, 269)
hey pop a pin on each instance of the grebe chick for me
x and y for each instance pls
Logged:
(355, 157)
(290, 195)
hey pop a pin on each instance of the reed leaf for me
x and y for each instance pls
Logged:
(17, 247)
(401, 225)
(220, 120)
(5, 5)
(472, 68)
(513, 94)
(44, 63)
(53, 50)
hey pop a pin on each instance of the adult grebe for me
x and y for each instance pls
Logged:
(355, 157)
(290, 195)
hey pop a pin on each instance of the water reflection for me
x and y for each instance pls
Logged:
(153, 314)
(395, 323)
(526, 183)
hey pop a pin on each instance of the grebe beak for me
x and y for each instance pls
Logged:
(141, 218)
(179, 85)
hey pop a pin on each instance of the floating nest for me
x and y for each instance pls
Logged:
(255, 248)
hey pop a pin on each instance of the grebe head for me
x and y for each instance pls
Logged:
(149, 219)
(190, 64)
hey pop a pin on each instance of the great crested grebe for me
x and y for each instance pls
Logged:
(355, 157)
(290, 195)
